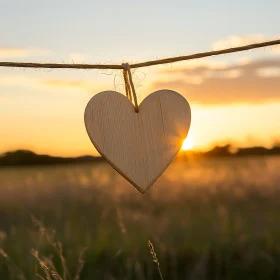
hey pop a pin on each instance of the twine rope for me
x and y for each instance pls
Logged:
(141, 64)
(129, 85)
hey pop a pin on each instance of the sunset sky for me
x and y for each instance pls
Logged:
(234, 98)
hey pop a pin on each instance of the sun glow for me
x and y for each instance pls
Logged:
(187, 144)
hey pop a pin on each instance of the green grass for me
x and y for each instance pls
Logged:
(209, 219)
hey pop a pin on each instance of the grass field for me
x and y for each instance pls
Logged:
(207, 219)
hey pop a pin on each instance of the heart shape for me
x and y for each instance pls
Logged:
(140, 146)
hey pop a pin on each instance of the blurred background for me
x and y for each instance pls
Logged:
(213, 214)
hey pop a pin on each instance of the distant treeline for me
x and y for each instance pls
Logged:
(25, 157)
(227, 151)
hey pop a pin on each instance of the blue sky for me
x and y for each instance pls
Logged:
(43, 110)
(117, 30)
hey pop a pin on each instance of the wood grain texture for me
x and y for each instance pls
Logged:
(140, 146)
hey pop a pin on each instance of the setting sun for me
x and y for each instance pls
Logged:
(188, 143)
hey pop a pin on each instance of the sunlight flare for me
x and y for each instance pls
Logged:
(188, 143)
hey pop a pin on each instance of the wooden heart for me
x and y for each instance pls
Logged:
(140, 146)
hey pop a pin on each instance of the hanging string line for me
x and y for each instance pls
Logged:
(127, 85)
(141, 64)
(126, 68)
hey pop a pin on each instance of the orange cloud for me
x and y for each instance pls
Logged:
(21, 52)
(32, 82)
(236, 41)
(13, 52)
(51, 84)
(76, 85)
(251, 82)
(66, 83)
